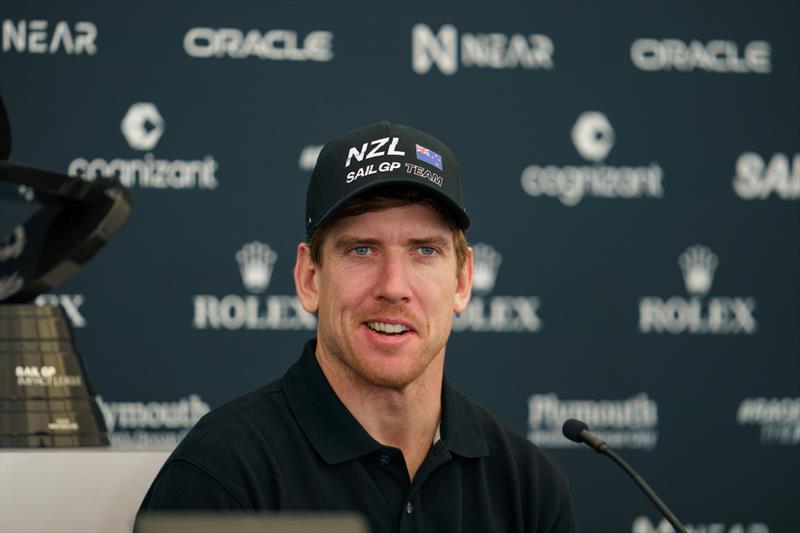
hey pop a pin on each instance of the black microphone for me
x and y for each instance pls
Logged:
(578, 431)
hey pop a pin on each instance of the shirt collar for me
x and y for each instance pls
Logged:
(460, 431)
(338, 437)
(332, 430)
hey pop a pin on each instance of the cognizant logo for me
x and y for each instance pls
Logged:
(143, 127)
(593, 138)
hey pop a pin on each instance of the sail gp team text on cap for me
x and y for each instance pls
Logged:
(379, 155)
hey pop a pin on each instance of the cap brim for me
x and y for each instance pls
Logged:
(459, 214)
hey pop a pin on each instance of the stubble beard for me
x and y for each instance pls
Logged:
(344, 354)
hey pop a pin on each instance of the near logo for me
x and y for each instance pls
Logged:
(478, 50)
(643, 524)
(35, 37)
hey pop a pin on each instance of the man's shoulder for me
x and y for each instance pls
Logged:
(244, 420)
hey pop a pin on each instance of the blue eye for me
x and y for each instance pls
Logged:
(427, 250)
(361, 250)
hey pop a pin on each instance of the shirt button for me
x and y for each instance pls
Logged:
(384, 459)
(409, 508)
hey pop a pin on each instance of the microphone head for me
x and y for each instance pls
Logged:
(572, 429)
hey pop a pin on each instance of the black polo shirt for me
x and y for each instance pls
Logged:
(292, 445)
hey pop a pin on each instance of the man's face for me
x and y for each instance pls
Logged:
(386, 293)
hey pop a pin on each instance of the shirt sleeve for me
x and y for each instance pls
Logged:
(182, 485)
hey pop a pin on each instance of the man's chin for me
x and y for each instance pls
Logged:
(394, 382)
(387, 374)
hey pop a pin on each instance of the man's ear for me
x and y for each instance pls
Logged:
(464, 284)
(306, 274)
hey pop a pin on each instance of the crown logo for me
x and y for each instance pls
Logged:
(486, 263)
(698, 264)
(256, 261)
(14, 243)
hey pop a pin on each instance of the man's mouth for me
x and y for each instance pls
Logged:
(388, 328)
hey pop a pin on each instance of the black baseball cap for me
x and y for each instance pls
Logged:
(380, 155)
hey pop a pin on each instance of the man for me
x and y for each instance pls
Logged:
(365, 420)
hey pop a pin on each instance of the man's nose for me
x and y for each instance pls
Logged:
(392, 285)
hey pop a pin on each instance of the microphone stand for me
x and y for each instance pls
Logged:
(605, 450)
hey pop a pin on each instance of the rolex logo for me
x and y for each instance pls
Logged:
(486, 264)
(254, 312)
(486, 313)
(256, 261)
(698, 314)
(698, 264)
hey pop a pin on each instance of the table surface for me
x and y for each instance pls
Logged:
(83, 490)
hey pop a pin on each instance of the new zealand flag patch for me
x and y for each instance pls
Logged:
(429, 156)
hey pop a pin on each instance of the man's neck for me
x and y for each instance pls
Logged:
(404, 418)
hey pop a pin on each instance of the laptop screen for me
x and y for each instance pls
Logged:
(211, 522)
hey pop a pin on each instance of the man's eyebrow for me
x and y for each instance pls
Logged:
(348, 242)
(436, 240)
